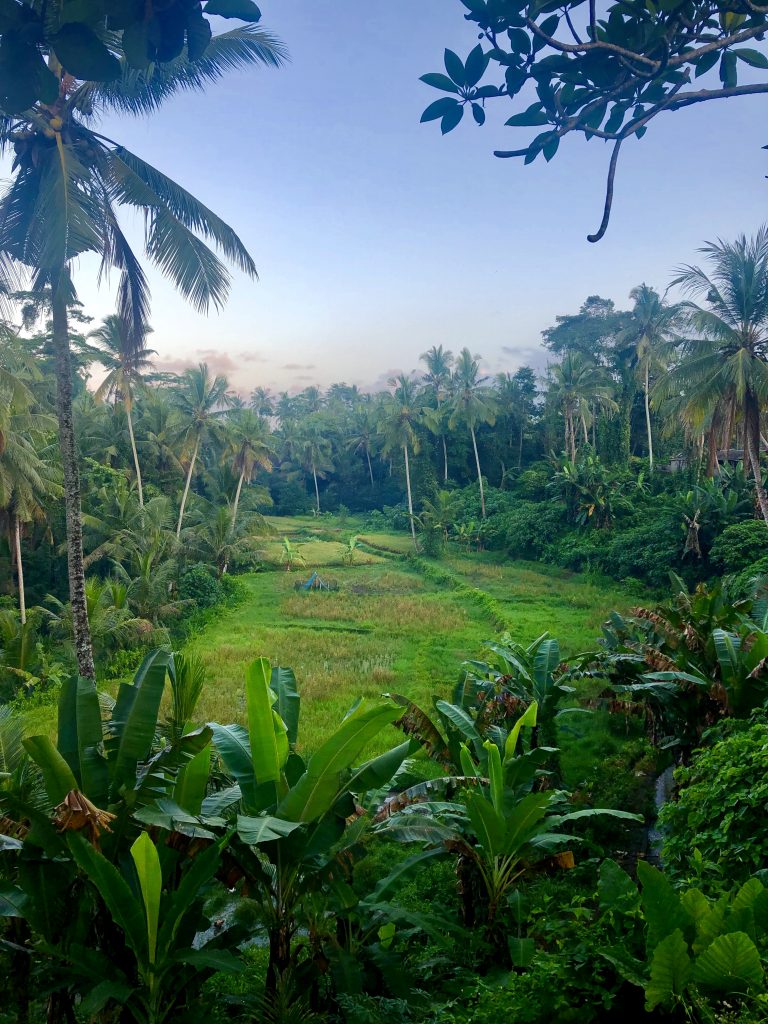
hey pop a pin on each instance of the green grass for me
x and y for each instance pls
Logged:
(387, 627)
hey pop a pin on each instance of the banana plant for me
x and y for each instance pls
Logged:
(499, 826)
(511, 679)
(292, 818)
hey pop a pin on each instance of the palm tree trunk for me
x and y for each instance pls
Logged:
(584, 429)
(19, 569)
(129, 417)
(445, 460)
(479, 474)
(317, 489)
(648, 421)
(408, 489)
(72, 509)
(520, 445)
(237, 498)
(752, 435)
(370, 467)
(186, 486)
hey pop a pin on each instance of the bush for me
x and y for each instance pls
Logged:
(645, 552)
(740, 546)
(199, 584)
(720, 810)
(527, 530)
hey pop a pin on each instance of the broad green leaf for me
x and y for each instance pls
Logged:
(661, 905)
(319, 787)
(455, 67)
(534, 115)
(263, 829)
(232, 744)
(451, 119)
(147, 862)
(181, 903)
(192, 782)
(495, 776)
(528, 718)
(731, 963)
(214, 959)
(438, 109)
(126, 911)
(459, 719)
(438, 81)
(57, 775)
(134, 719)
(526, 821)
(468, 766)
(379, 770)
(616, 890)
(670, 971)
(521, 951)
(475, 66)
(288, 703)
(755, 58)
(487, 824)
(266, 730)
(13, 900)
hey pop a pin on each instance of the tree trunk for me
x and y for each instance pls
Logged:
(237, 498)
(129, 417)
(752, 435)
(479, 474)
(186, 486)
(648, 422)
(370, 467)
(19, 569)
(520, 446)
(72, 509)
(408, 489)
(445, 460)
(584, 429)
(317, 489)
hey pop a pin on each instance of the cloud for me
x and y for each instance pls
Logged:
(299, 366)
(218, 361)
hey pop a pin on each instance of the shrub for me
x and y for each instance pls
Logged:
(199, 584)
(644, 552)
(740, 546)
(527, 530)
(720, 810)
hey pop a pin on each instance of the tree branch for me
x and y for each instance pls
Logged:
(608, 194)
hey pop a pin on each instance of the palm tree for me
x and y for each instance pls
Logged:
(250, 447)
(439, 362)
(201, 401)
(311, 449)
(62, 202)
(28, 475)
(400, 415)
(577, 385)
(363, 431)
(725, 360)
(649, 340)
(471, 404)
(126, 364)
(262, 402)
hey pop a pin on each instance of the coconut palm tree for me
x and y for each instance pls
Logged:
(68, 183)
(310, 448)
(724, 356)
(400, 415)
(201, 401)
(250, 447)
(439, 362)
(126, 364)
(29, 477)
(472, 403)
(649, 339)
(577, 385)
(363, 427)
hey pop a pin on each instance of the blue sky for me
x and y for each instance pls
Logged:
(375, 238)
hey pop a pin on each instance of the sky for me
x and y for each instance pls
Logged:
(376, 238)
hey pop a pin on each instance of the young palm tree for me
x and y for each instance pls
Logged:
(250, 447)
(439, 362)
(311, 449)
(400, 415)
(126, 365)
(62, 202)
(472, 404)
(576, 386)
(725, 360)
(649, 340)
(201, 401)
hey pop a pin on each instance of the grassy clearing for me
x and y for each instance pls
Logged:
(387, 627)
